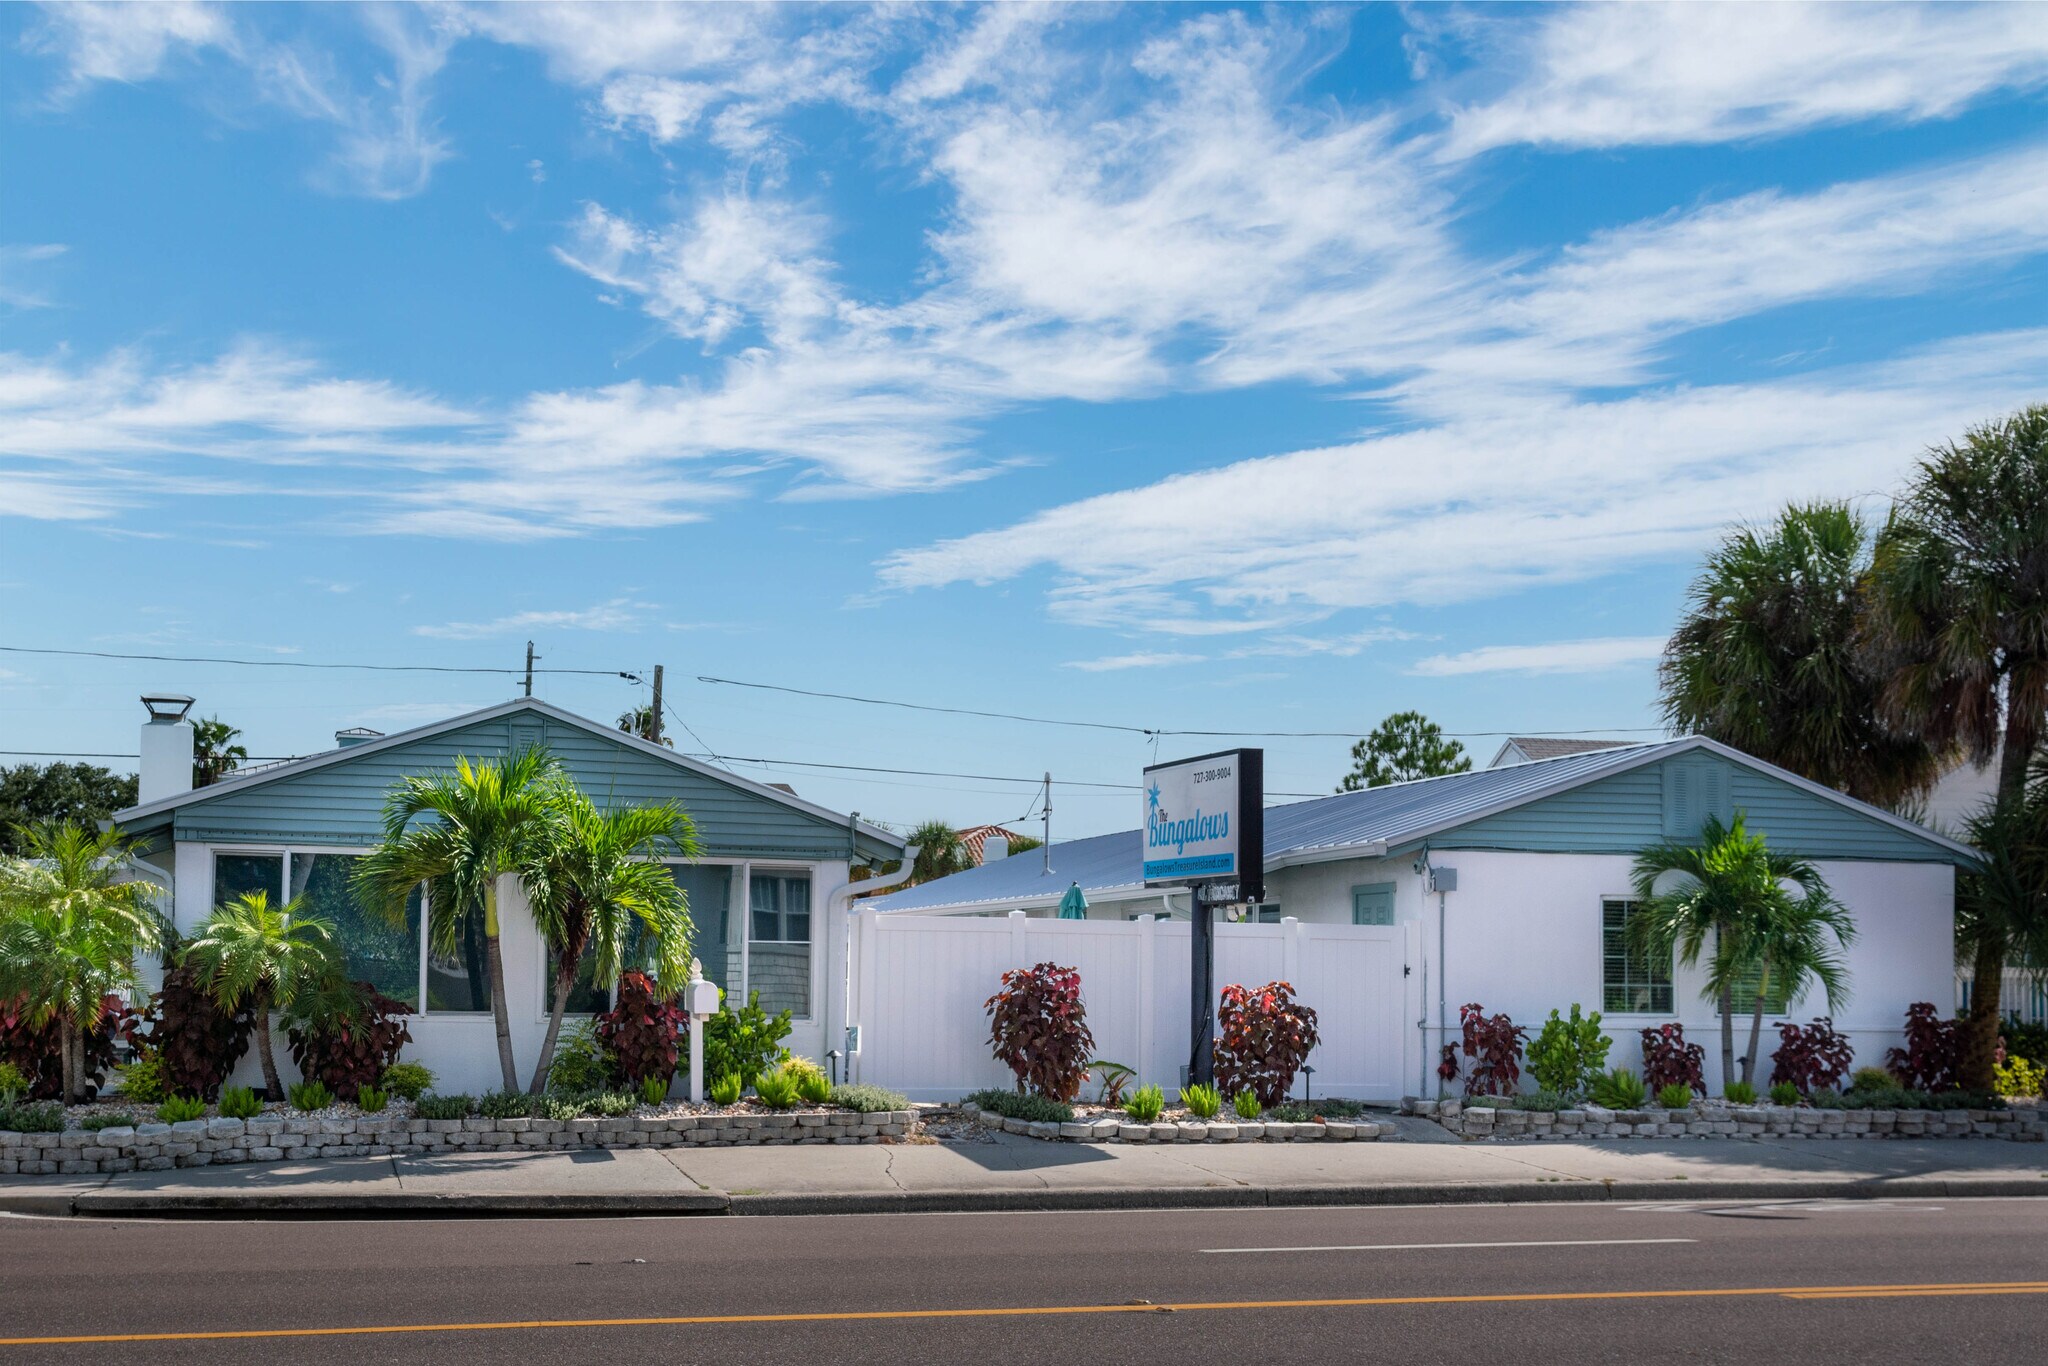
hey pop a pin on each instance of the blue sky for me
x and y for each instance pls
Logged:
(1180, 367)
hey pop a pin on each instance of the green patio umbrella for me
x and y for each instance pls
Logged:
(1074, 906)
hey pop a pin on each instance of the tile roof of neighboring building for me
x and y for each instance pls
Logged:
(975, 839)
(1522, 749)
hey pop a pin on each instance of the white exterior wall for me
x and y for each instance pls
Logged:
(461, 1047)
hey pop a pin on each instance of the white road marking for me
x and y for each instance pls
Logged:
(1415, 1247)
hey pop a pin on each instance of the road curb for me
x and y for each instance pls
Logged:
(287, 1205)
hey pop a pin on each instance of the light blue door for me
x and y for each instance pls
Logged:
(1373, 904)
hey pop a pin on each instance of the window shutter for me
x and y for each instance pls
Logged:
(1681, 808)
(527, 735)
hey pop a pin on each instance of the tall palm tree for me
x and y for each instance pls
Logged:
(593, 882)
(1766, 658)
(2002, 905)
(214, 753)
(939, 852)
(459, 833)
(70, 932)
(251, 953)
(1724, 899)
(1957, 627)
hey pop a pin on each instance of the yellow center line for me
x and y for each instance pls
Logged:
(1794, 1292)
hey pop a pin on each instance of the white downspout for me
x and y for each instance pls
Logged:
(838, 907)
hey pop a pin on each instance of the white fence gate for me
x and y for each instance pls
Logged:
(918, 984)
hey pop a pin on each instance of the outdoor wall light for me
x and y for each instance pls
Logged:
(167, 706)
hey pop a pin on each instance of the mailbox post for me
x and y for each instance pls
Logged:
(703, 1004)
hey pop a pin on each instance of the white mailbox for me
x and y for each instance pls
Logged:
(703, 999)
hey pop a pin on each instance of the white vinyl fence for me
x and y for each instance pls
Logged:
(919, 983)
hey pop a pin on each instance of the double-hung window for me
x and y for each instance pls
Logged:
(1630, 982)
(779, 941)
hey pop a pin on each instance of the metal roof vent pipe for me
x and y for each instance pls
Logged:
(166, 764)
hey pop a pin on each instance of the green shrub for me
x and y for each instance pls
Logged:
(41, 1118)
(745, 1042)
(1826, 1098)
(1548, 1102)
(239, 1102)
(1739, 1093)
(1677, 1096)
(1620, 1089)
(13, 1084)
(814, 1087)
(558, 1107)
(409, 1079)
(1784, 1093)
(2025, 1038)
(1031, 1109)
(371, 1100)
(1873, 1079)
(868, 1099)
(2018, 1076)
(1567, 1054)
(1202, 1101)
(725, 1089)
(445, 1107)
(1145, 1104)
(1306, 1111)
(1246, 1106)
(610, 1104)
(142, 1081)
(179, 1109)
(113, 1119)
(654, 1090)
(776, 1090)
(506, 1105)
(1114, 1077)
(308, 1096)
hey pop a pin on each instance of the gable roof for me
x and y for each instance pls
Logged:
(147, 814)
(1364, 824)
(1521, 749)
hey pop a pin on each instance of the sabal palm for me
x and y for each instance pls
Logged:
(593, 882)
(940, 852)
(1767, 658)
(70, 931)
(460, 832)
(1957, 626)
(251, 953)
(1730, 907)
(2002, 905)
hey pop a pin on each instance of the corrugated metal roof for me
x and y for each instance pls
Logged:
(1355, 824)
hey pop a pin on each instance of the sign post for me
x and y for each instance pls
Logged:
(1205, 829)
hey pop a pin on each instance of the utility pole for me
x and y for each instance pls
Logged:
(654, 727)
(529, 668)
(1045, 844)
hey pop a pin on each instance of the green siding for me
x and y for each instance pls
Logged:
(341, 802)
(1622, 814)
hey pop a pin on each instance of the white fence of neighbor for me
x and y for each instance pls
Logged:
(918, 985)
(2022, 992)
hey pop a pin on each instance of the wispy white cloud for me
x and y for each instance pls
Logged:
(1141, 659)
(121, 42)
(1615, 75)
(1557, 657)
(19, 264)
(619, 614)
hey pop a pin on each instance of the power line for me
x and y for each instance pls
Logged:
(969, 777)
(310, 664)
(1153, 731)
(89, 754)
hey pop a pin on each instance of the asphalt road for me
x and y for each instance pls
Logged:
(1956, 1281)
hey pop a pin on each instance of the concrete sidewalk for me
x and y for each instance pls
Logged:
(1011, 1173)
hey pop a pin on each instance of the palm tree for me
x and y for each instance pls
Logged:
(251, 953)
(70, 932)
(2002, 905)
(214, 753)
(594, 882)
(939, 852)
(475, 825)
(1766, 658)
(1957, 628)
(1728, 891)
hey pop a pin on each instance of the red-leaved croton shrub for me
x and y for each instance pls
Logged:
(1928, 1061)
(198, 1041)
(347, 1035)
(1493, 1044)
(1263, 1036)
(1668, 1060)
(36, 1051)
(1811, 1056)
(1038, 1028)
(643, 1033)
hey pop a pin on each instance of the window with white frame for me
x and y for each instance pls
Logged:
(395, 959)
(779, 941)
(1630, 982)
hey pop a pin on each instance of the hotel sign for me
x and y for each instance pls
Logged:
(1205, 821)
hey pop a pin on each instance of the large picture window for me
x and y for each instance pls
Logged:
(779, 942)
(1630, 984)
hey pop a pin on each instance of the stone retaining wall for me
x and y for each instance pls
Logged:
(1735, 1121)
(1184, 1131)
(273, 1138)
